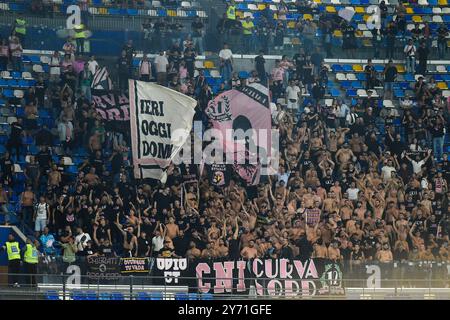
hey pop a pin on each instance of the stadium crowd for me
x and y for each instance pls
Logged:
(353, 184)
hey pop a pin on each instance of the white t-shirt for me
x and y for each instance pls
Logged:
(387, 172)
(157, 243)
(417, 166)
(353, 193)
(41, 211)
(161, 63)
(225, 54)
(80, 243)
(292, 92)
(92, 66)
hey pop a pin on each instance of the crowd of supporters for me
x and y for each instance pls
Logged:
(357, 181)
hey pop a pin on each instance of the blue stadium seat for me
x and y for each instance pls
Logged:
(243, 74)
(78, 295)
(117, 296)
(335, 93)
(104, 296)
(142, 296)
(132, 12)
(16, 74)
(91, 295)
(193, 296)
(356, 85)
(156, 296)
(351, 93)
(337, 68)
(52, 295)
(181, 296)
(206, 296)
(347, 68)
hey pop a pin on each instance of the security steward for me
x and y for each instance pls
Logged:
(14, 260)
(80, 36)
(31, 259)
(231, 15)
(20, 28)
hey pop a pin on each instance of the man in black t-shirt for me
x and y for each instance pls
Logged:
(259, 65)
(390, 74)
(442, 33)
(123, 68)
(15, 138)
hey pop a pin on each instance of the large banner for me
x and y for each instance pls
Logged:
(260, 277)
(112, 107)
(99, 267)
(161, 122)
(244, 109)
(135, 266)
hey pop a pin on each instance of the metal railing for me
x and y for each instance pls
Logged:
(66, 287)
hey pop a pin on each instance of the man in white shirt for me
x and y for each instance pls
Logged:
(387, 170)
(410, 52)
(417, 163)
(293, 95)
(226, 62)
(81, 239)
(92, 65)
(161, 64)
(41, 215)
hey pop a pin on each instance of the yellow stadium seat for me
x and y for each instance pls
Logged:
(401, 68)
(337, 33)
(331, 9)
(240, 14)
(171, 13)
(448, 43)
(409, 10)
(261, 6)
(360, 10)
(208, 64)
(275, 16)
(417, 19)
(366, 17)
(442, 2)
(367, 43)
(291, 24)
(318, 1)
(358, 33)
(442, 85)
(357, 68)
(307, 16)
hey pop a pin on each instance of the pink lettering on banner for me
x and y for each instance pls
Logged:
(224, 276)
(113, 114)
(199, 271)
(284, 266)
(123, 99)
(289, 289)
(300, 268)
(98, 101)
(241, 283)
(109, 98)
(102, 113)
(126, 112)
(308, 288)
(268, 264)
(274, 287)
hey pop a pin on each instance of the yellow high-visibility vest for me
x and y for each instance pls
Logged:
(31, 254)
(20, 26)
(248, 26)
(13, 250)
(79, 32)
(231, 12)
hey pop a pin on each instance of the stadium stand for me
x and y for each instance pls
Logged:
(363, 116)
